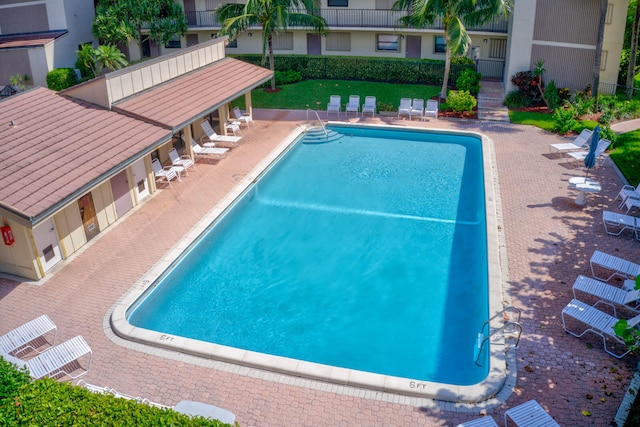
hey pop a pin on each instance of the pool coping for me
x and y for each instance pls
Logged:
(486, 389)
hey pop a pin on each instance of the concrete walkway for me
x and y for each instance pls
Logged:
(490, 102)
(549, 241)
(626, 126)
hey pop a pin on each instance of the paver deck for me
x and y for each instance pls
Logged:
(549, 242)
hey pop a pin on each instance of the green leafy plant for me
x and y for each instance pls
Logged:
(461, 100)
(469, 80)
(19, 81)
(552, 96)
(517, 99)
(11, 379)
(61, 78)
(565, 119)
(527, 83)
(383, 106)
(287, 77)
(630, 334)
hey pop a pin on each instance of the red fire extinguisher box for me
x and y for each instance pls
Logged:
(7, 235)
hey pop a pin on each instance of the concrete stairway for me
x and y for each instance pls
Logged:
(490, 101)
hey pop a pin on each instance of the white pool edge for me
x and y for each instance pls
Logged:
(484, 390)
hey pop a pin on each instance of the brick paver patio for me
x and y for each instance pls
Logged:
(549, 242)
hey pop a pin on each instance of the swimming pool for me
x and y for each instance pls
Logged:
(386, 276)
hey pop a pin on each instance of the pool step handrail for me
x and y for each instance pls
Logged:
(486, 333)
(319, 121)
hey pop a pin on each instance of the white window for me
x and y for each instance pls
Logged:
(339, 42)
(283, 41)
(388, 42)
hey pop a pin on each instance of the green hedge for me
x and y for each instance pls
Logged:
(61, 78)
(413, 71)
(48, 403)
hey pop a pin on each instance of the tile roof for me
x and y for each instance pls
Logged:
(29, 40)
(195, 94)
(60, 147)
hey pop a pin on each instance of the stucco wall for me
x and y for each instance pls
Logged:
(19, 258)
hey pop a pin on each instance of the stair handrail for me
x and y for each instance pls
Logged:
(319, 121)
(484, 337)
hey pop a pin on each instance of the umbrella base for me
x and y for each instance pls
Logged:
(584, 186)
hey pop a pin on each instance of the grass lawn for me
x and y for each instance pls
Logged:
(545, 120)
(626, 155)
(315, 94)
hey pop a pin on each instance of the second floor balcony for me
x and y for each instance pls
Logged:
(355, 18)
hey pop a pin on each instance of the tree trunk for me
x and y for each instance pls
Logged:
(445, 79)
(598, 59)
(271, 65)
(632, 54)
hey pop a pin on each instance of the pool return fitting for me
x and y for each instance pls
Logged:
(510, 326)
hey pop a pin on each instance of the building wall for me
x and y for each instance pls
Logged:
(20, 17)
(19, 258)
(12, 62)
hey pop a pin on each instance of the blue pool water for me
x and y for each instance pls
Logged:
(367, 253)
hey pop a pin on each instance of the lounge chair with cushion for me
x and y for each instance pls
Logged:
(23, 337)
(405, 107)
(369, 105)
(242, 117)
(603, 144)
(431, 110)
(578, 143)
(59, 360)
(353, 105)
(179, 161)
(334, 105)
(598, 322)
(164, 172)
(529, 414)
(417, 108)
(607, 294)
(615, 223)
(209, 150)
(618, 266)
(211, 136)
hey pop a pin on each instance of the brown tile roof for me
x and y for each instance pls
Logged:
(186, 98)
(29, 40)
(61, 147)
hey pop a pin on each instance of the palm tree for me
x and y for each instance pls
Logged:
(272, 16)
(455, 15)
(110, 57)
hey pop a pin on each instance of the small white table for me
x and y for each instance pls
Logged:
(199, 409)
(584, 186)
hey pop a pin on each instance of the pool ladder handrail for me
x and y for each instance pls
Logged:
(319, 121)
(484, 337)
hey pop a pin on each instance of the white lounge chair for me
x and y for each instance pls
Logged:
(618, 266)
(405, 107)
(242, 117)
(431, 110)
(334, 105)
(578, 143)
(209, 150)
(353, 105)
(369, 105)
(630, 203)
(529, 414)
(164, 172)
(607, 294)
(485, 421)
(211, 136)
(598, 322)
(615, 223)
(417, 108)
(233, 127)
(22, 338)
(603, 144)
(628, 191)
(179, 161)
(61, 359)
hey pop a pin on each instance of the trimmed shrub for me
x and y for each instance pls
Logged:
(516, 99)
(61, 78)
(469, 80)
(565, 119)
(287, 77)
(11, 379)
(461, 100)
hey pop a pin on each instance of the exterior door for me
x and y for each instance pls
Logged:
(140, 183)
(47, 244)
(414, 46)
(314, 45)
(121, 195)
(88, 215)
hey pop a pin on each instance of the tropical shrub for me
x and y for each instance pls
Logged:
(516, 99)
(469, 80)
(527, 83)
(552, 96)
(461, 100)
(61, 78)
(564, 119)
(383, 106)
(287, 77)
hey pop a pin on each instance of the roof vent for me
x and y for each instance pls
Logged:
(13, 123)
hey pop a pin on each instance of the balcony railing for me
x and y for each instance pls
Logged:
(355, 18)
